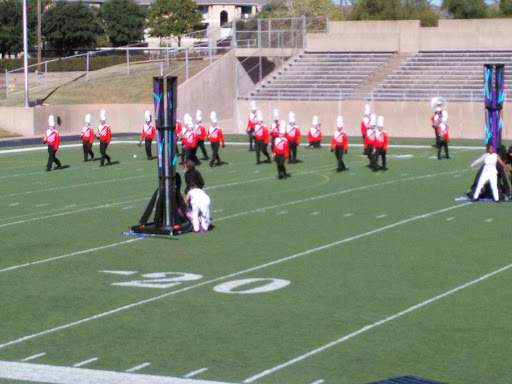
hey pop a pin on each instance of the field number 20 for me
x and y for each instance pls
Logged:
(163, 280)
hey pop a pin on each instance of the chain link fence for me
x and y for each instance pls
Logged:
(168, 58)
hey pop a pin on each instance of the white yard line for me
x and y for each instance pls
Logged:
(68, 255)
(73, 186)
(138, 367)
(195, 373)
(70, 375)
(332, 194)
(374, 325)
(70, 212)
(33, 356)
(242, 272)
(85, 362)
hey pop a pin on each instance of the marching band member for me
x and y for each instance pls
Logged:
(189, 140)
(437, 104)
(274, 131)
(105, 135)
(293, 136)
(365, 125)
(148, 134)
(339, 144)
(52, 139)
(381, 145)
(216, 138)
(281, 151)
(370, 139)
(201, 134)
(251, 124)
(177, 132)
(443, 136)
(262, 138)
(314, 134)
(87, 136)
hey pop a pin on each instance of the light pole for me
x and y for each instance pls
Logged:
(39, 36)
(25, 50)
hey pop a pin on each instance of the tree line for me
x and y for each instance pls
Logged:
(67, 26)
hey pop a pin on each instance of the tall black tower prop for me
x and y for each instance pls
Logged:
(167, 220)
(494, 95)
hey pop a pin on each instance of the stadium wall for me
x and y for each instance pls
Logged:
(402, 119)
(409, 36)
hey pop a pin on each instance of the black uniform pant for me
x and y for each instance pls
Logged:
(261, 147)
(87, 150)
(293, 152)
(215, 153)
(281, 169)
(251, 139)
(147, 144)
(103, 151)
(370, 154)
(442, 143)
(190, 154)
(315, 144)
(200, 144)
(379, 152)
(339, 151)
(51, 158)
(437, 136)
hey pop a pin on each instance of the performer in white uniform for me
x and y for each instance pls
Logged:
(199, 209)
(489, 172)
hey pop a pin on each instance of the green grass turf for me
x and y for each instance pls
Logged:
(357, 248)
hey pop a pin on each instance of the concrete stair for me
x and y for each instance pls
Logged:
(377, 78)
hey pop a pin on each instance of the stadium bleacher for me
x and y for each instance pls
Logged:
(328, 75)
(456, 75)
(321, 75)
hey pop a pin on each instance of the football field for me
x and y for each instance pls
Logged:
(324, 277)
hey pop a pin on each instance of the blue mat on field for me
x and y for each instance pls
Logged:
(406, 380)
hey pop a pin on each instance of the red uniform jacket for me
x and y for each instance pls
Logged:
(365, 125)
(200, 132)
(178, 127)
(261, 133)
(281, 147)
(442, 130)
(293, 134)
(436, 118)
(105, 133)
(252, 121)
(339, 139)
(52, 138)
(369, 138)
(189, 139)
(87, 134)
(215, 135)
(148, 132)
(274, 132)
(314, 134)
(381, 140)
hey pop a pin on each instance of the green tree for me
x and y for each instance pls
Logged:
(466, 9)
(67, 26)
(124, 21)
(11, 27)
(395, 10)
(173, 17)
(298, 8)
(506, 7)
